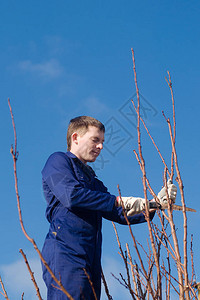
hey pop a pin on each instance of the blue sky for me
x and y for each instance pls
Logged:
(60, 59)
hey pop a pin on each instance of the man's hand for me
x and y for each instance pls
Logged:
(172, 191)
(133, 205)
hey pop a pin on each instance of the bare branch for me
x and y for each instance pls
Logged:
(192, 260)
(4, 290)
(105, 286)
(169, 82)
(31, 273)
(14, 153)
(136, 248)
(151, 138)
(125, 261)
(91, 284)
(132, 272)
(144, 182)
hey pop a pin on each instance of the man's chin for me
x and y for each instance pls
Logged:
(92, 159)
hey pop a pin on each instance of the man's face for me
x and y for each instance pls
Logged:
(88, 146)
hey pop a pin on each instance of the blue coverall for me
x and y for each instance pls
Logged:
(76, 203)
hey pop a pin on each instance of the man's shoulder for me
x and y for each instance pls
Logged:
(61, 156)
(56, 156)
(56, 160)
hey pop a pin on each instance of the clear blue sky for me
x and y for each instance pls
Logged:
(60, 59)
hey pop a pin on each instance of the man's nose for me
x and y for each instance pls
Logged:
(100, 146)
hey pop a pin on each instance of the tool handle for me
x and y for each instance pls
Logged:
(154, 205)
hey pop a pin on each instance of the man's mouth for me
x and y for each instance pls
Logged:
(96, 153)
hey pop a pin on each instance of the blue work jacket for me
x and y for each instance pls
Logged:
(76, 203)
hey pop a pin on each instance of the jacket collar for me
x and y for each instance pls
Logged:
(71, 155)
(86, 168)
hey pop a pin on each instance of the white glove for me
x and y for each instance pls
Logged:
(133, 205)
(171, 189)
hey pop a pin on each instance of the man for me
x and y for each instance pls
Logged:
(76, 203)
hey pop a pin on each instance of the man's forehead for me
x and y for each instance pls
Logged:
(91, 131)
(95, 131)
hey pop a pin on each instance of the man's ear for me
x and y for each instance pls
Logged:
(74, 137)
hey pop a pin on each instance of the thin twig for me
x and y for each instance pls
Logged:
(139, 281)
(175, 239)
(4, 290)
(144, 181)
(31, 273)
(193, 278)
(132, 271)
(124, 285)
(136, 248)
(173, 255)
(169, 272)
(91, 283)
(180, 183)
(105, 286)
(125, 261)
(151, 138)
(169, 82)
(127, 286)
(15, 154)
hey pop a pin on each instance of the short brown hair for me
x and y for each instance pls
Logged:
(81, 124)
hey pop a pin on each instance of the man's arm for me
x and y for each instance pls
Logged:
(117, 216)
(135, 205)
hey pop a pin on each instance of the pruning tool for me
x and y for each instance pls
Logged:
(155, 205)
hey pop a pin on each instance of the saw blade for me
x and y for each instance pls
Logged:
(155, 205)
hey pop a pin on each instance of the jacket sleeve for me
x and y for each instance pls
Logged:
(117, 216)
(59, 175)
